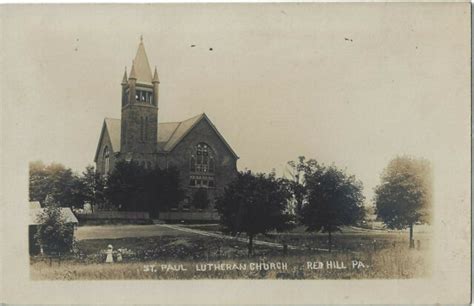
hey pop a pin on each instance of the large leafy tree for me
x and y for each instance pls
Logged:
(296, 183)
(57, 181)
(334, 199)
(130, 187)
(253, 204)
(93, 187)
(162, 189)
(54, 235)
(125, 187)
(403, 197)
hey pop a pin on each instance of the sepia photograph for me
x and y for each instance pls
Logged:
(215, 142)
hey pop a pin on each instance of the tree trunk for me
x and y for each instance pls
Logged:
(412, 242)
(250, 245)
(329, 240)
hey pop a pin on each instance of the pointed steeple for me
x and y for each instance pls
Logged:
(133, 74)
(125, 78)
(142, 66)
(155, 77)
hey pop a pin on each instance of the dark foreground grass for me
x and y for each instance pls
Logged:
(199, 257)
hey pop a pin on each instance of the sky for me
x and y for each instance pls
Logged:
(349, 84)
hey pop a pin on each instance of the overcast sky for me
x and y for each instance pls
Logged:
(351, 84)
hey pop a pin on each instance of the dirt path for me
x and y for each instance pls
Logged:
(217, 235)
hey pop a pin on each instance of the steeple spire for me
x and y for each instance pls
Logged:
(155, 77)
(133, 74)
(142, 66)
(125, 78)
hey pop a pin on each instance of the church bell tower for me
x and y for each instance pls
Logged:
(139, 123)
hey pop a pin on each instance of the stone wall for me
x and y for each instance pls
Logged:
(131, 128)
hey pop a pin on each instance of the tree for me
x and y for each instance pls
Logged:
(200, 199)
(296, 184)
(334, 199)
(57, 181)
(125, 187)
(93, 187)
(253, 204)
(131, 187)
(403, 197)
(54, 235)
(162, 189)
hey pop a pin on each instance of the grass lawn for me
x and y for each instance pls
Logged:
(185, 256)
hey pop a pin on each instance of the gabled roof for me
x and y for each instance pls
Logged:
(186, 126)
(112, 126)
(66, 213)
(182, 130)
(142, 66)
(165, 131)
(169, 133)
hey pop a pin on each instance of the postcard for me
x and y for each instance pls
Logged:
(224, 153)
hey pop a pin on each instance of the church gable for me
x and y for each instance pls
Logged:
(204, 159)
(109, 136)
(199, 129)
(106, 149)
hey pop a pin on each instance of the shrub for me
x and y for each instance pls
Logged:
(54, 235)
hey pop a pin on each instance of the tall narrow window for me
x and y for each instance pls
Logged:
(106, 160)
(193, 163)
(211, 164)
(146, 128)
(141, 128)
(124, 131)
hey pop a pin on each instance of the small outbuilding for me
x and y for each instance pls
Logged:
(35, 212)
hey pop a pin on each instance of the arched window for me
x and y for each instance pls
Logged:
(202, 166)
(106, 156)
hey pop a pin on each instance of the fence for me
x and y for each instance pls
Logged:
(189, 216)
(114, 215)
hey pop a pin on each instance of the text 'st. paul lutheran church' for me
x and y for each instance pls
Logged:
(205, 160)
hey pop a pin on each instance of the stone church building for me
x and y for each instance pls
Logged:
(195, 146)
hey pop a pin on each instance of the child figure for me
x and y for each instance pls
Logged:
(119, 255)
(110, 251)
